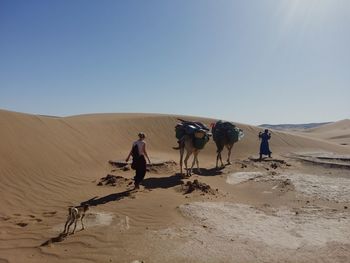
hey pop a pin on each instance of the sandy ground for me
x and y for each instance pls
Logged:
(292, 208)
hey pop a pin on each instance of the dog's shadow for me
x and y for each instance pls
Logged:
(59, 238)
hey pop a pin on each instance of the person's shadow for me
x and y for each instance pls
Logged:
(162, 182)
(209, 172)
(95, 201)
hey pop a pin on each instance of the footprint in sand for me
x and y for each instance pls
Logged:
(5, 218)
(22, 224)
(33, 218)
(49, 214)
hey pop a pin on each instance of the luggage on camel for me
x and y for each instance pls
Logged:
(197, 131)
(227, 129)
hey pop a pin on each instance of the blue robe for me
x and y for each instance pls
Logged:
(264, 145)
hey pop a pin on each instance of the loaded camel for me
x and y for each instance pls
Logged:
(226, 135)
(191, 141)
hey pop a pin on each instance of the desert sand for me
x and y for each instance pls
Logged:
(338, 132)
(293, 207)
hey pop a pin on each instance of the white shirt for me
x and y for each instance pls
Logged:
(141, 146)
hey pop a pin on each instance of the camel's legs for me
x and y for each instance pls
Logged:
(229, 148)
(222, 164)
(196, 158)
(182, 150)
(195, 153)
(218, 157)
(188, 154)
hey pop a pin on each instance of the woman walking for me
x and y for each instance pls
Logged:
(138, 152)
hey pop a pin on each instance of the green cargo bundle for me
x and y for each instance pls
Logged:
(199, 143)
(228, 130)
(179, 132)
(195, 130)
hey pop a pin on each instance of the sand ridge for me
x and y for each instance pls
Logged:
(50, 163)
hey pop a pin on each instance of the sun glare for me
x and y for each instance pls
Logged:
(307, 11)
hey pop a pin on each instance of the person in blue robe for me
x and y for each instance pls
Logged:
(264, 145)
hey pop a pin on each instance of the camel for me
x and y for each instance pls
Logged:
(187, 144)
(222, 140)
(192, 137)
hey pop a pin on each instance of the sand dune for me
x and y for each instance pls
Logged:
(48, 163)
(338, 132)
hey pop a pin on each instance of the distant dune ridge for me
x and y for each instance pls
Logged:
(338, 132)
(49, 163)
(293, 126)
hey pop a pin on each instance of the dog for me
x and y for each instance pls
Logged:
(74, 213)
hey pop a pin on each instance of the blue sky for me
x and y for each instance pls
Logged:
(268, 61)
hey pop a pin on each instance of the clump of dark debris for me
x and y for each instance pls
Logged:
(112, 180)
(189, 187)
(285, 185)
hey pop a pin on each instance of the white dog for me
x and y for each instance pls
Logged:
(74, 213)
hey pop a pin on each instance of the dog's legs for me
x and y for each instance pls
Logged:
(75, 223)
(65, 226)
(65, 230)
(70, 223)
(82, 224)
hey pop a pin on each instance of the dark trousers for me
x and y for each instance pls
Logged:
(140, 170)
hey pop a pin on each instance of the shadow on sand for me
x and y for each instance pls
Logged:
(95, 201)
(209, 172)
(52, 240)
(162, 182)
(266, 159)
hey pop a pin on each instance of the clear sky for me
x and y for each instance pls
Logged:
(263, 61)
